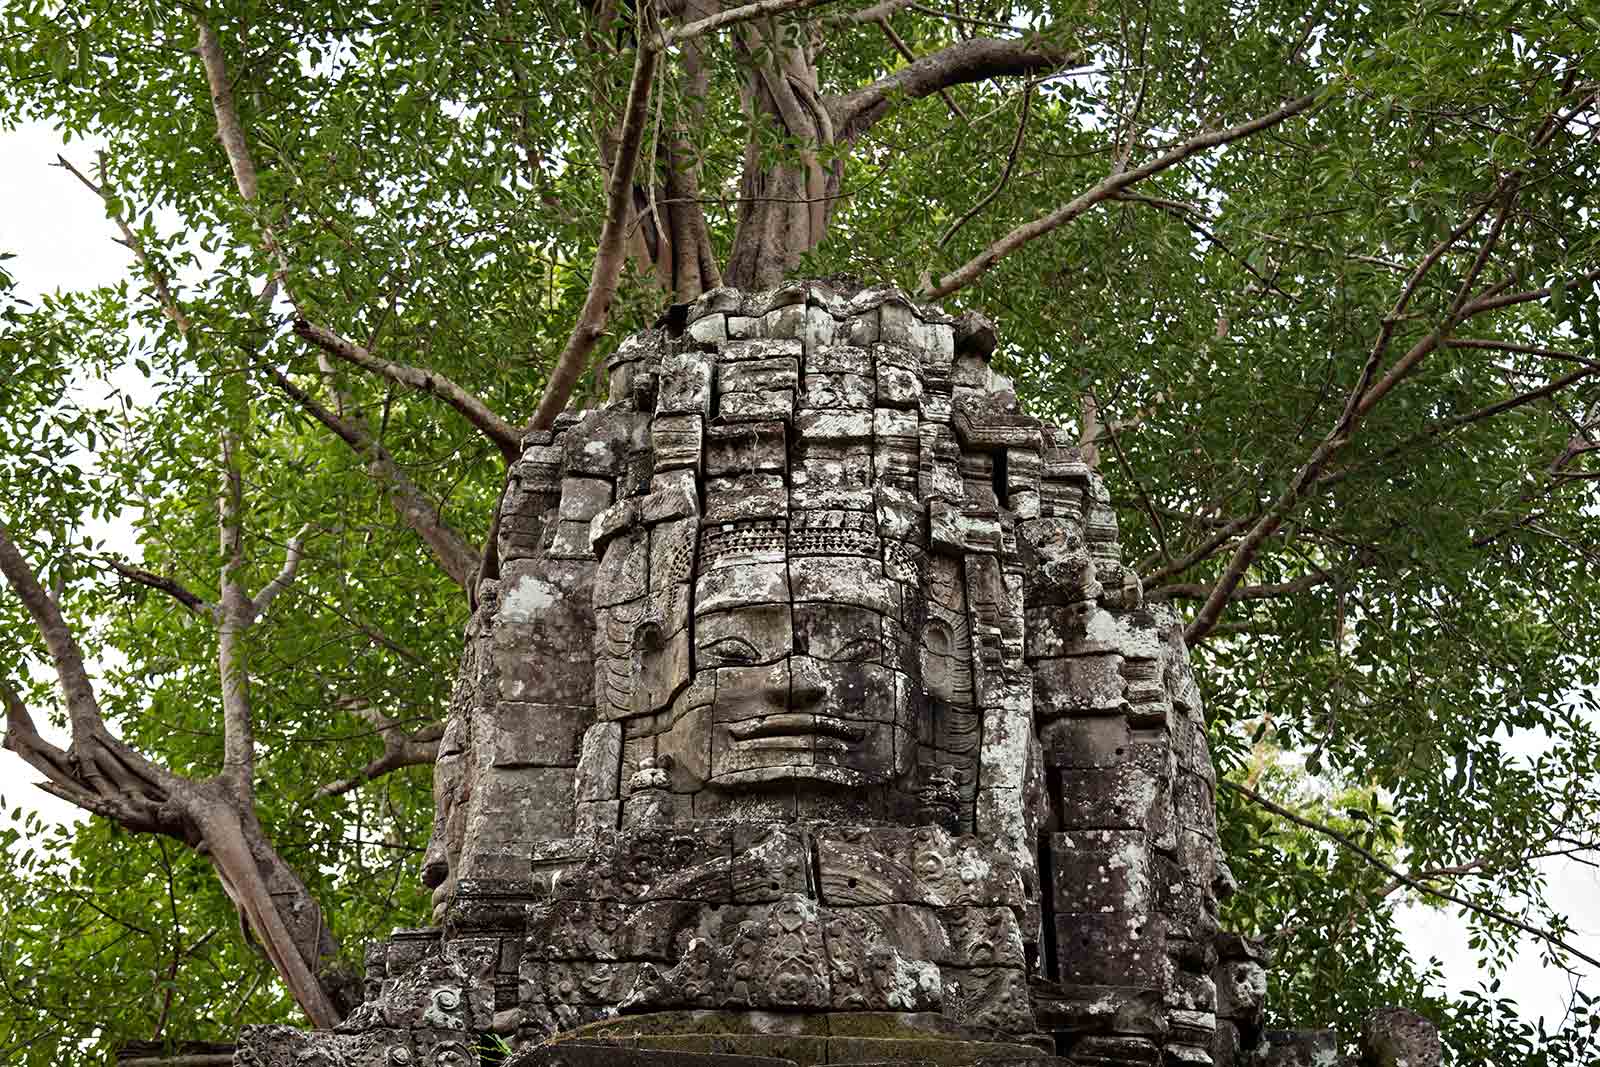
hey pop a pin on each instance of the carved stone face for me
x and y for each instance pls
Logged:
(810, 686)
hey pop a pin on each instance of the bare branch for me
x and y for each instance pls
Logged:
(1403, 878)
(83, 708)
(400, 749)
(1494, 302)
(911, 57)
(878, 12)
(610, 253)
(1510, 346)
(416, 750)
(458, 558)
(114, 780)
(285, 576)
(497, 430)
(1204, 551)
(55, 763)
(238, 725)
(229, 130)
(1445, 426)
(968, 61)
(731, 17)
(195, 604)
(974, 268)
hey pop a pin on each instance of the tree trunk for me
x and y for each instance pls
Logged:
(784, 207)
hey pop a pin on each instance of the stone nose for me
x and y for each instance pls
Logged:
(806, 684)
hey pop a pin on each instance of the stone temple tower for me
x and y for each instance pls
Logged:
(809, 712)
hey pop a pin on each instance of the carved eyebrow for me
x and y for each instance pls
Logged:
(859, 648)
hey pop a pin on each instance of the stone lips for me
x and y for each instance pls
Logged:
(812, 682)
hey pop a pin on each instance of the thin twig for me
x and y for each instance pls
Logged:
(1005, 175)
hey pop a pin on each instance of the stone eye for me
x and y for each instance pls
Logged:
(733, 651)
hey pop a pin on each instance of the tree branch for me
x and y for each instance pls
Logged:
(285, 576)
(1444, 426)
(974, 268)
(238, 726)
(229, 129)
(1494, 302)
(58, 767)
(503, 435)
(400, 749)
(1364, 395)
(83, 709)
(967, 61)
(458, 558)
(1402, 877)
(878, 12)
(122, 784)
(1197, 591)
(158, 280)
(1206, 549)
(911, 57)
(610, 253)
(195, 604)
(731, 17)
(416, 750)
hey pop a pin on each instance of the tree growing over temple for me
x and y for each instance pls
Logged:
(1315, 288)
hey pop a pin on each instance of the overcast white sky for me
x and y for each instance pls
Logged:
(62, 240)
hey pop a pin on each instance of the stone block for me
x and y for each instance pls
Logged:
(644, 1052)
(756, 406)
(1114, 1051)
(746, 497)
(685, 383)
(537, 735)
(832, 476)
(1082, 685)
(1300, 1048)
(675, 441)
(820, 328)
(1093, 742)
(599, 764)
(583, 498)
(1124, 948)
(988, 998)
(898, 387)
(1398, 1037)
(1241, 992)
(708, 330)
(837, 391)
(1134, 795)
(511, 808)
(979, 937)
(745, 448)
(1103, 871)
(834, 424)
